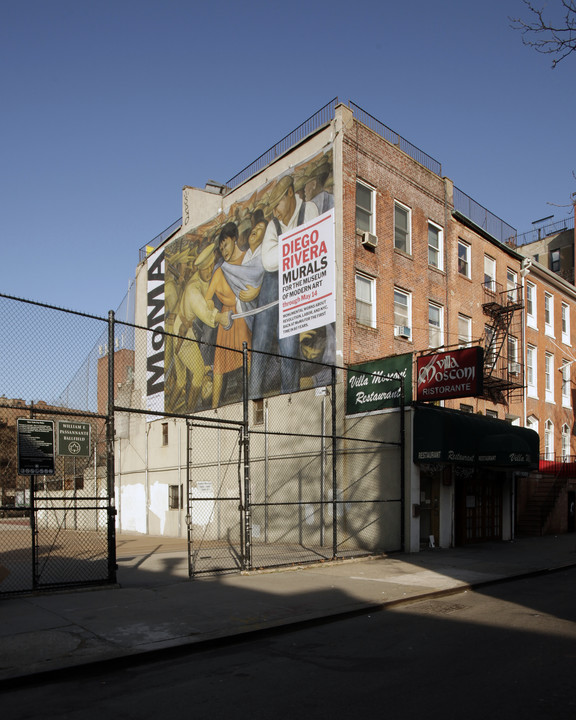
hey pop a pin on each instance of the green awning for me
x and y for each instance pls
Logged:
(451, 436)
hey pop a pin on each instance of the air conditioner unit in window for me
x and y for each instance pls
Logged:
(369, 240)
(401, 331)
(514, 368)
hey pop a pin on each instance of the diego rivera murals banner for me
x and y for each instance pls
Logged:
(262, 274)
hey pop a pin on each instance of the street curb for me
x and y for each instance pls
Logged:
(210, 641)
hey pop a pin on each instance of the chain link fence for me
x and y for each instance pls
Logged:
(56, 522)
(249, 455)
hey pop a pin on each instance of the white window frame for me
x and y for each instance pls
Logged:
(407, 322)
(566, 454)
(489, 273)
(464, 339)
(566, 324)
(532, 371)
(549, 440)
(531, 305)
(549, 314)
(532, 423)
(436, 329)
(512, 285)
(371, 213)
(439, 251)
(549, 377)
(566, 383)
(408, 239)
(512, 347)
(466, 258)
(370, 304)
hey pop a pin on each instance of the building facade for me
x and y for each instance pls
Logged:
(343, 248)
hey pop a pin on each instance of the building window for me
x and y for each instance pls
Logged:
(531, 305)
(549, 314)
(258, 412)
(566, 385)
(365, 300)
(402, 239)
(565, 323)
(513, 364)
(532, 423)
(464, 258)
(435, 325)
(466, 408)
(549, 440)
(489, 350)
(435, 246)
(492, 414)
(402, 314)
(531, 371)
(365, 208)
(489, 273)
(555, 261)
(512, 286)
(565, 442)
(174, 497)
(164, 434)
(549, 377)
(464, 330)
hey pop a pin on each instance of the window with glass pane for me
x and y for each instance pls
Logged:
(463, 258)
(464, 330)
(565, 323)
(565, 442)
(549, 439)
(401, 228)
(548, 314)
(435, 334)
(401, 309)
(549, 376)
(566, 364)
(512, 286)
(489, 273)
(531, 370)
(555, 260)
(434, 246)
(365, 312)
(531, 304)
(513, 364)
(364, 208)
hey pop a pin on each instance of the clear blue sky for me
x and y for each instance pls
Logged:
(109, 107)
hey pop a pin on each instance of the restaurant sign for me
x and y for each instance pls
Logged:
(451, 374)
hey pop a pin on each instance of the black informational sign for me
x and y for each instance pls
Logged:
(35, 447)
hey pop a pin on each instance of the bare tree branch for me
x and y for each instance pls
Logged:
(546, 36)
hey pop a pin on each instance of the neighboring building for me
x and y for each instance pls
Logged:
(405, 264)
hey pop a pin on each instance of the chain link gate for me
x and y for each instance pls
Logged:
(57, 529)
(217, 510)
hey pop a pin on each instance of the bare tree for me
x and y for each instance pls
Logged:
(547, 34)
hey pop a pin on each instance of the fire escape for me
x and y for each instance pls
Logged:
(503, 366)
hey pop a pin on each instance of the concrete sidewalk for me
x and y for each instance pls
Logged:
(156, 607)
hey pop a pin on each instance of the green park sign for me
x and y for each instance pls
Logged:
(73, 439)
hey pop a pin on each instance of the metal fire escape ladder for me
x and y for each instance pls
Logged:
(502, 374)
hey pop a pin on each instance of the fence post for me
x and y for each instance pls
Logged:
(246, 442)
(112, 567)
(334, 470)
(402, 466)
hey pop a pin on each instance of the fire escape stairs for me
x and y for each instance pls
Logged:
(500, 307)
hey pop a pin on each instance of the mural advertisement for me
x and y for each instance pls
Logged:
(262, 274)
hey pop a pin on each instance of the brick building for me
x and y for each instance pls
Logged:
(418, 268)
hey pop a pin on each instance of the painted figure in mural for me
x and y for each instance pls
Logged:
(318, 185)
(188, 363)
(226, 285)
(290, 211)
(318, 346)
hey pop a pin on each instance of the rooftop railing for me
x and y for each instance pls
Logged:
(544, 231)
(483, 218)
(464, 204)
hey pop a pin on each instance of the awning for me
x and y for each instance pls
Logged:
(451, 436)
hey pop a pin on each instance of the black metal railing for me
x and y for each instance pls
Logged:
(483, 218)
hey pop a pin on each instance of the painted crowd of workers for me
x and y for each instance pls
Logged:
(222, 293)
